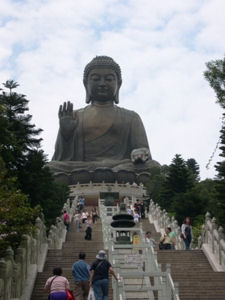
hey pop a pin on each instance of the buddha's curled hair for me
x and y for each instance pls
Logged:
(102, 61)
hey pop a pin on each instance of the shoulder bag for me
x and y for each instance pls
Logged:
(50, 287)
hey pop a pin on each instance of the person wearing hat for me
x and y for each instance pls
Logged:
(99, 278)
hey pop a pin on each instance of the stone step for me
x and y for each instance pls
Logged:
(66, 257)
(192, 271)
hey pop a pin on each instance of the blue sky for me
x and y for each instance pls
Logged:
(161, 46)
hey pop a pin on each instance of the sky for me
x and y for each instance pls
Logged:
(161, 46)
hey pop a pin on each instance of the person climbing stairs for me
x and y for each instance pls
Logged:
(65, 257)
(191, 269)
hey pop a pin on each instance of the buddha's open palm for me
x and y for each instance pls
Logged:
(66, 117)
(66, 110)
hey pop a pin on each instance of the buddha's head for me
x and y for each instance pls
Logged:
(102, 80)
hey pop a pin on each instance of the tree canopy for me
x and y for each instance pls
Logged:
(26, 184)
(215, 75)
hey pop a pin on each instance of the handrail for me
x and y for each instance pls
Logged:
(164, 284)
(212, 241)
(161, 220)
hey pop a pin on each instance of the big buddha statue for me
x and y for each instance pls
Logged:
(102, 141)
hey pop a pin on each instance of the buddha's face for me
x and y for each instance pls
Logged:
(102, 84)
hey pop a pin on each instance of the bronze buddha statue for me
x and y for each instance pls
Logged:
(101, 141)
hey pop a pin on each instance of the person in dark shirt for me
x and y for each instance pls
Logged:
(99, 278)
(142, 209)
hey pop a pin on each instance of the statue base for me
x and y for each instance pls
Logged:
(71, 172)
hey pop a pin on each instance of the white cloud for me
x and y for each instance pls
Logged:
(162, 49)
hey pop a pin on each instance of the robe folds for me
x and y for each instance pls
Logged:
(110, 147)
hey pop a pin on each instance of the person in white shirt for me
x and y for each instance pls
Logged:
(136, 217)
(129, 210)
(149, 239)
(84, 216)
(77, 221)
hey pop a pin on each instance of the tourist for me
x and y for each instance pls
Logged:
(57, 285)
(82, 202)
(136, 217)
(84, 216)
(137, 206)
(79, 206)
(166, 240)
(81, 274)
(88, 230)
(186, 232)
(94, 215)
(77, 221)
(66, 220)
(173, 239)
(99, 278)
(142, 209)
(149, 239)
(129, 210)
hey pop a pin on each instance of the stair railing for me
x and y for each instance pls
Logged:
(18, 270)
(125, 189)
(161, 220)
(163, 283)
(212, 242)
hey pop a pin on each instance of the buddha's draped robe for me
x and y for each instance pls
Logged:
(102, 134)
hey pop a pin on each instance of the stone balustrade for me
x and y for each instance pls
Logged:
(161, 220)
(94, 189)
(212, 241)
(18, 270)
(126, 271)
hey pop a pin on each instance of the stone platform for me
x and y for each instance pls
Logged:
(93, 191)
(100, 175)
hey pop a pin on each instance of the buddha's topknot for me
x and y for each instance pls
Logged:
(102, 61)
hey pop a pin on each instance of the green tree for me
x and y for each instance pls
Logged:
(16, 215)
(215, 75)
(178, 180)
(193, 166)
(157, 178)
(220, 182)
(19, 136)
(37, 182)
(23, 157)
(193, 203)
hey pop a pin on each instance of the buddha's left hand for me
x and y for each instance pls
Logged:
(140, 155)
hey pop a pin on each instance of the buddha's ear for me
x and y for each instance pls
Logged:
(88, 97)
(116, 97)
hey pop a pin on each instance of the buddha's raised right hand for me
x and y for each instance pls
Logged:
(66, 118)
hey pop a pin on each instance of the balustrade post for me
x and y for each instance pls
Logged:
(1, 289)
(212, 233)
(221, 237)
(206, 227)
(169, 291)
(176, 288)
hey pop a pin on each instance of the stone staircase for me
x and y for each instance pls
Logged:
(191, 269)
(66, 256)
